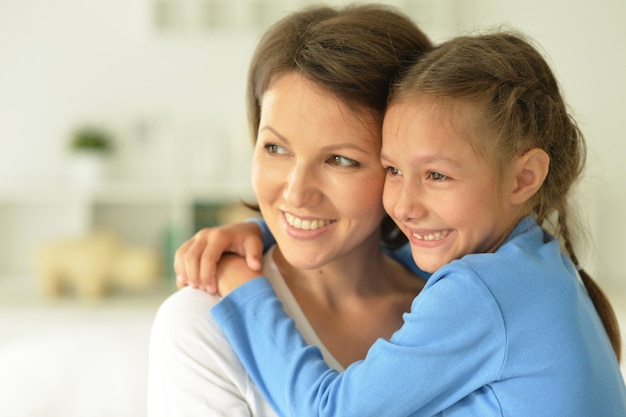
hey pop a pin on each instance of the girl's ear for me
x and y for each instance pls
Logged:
(531, 170)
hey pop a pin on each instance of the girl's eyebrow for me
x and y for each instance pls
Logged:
(383, 156)
(435, 159)
(439, 160)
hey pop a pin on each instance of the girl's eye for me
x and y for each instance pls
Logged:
(272, 148)
(437, 176)
(393, 171)
(342, 161)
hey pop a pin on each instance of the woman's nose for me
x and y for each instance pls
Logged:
(303, 187)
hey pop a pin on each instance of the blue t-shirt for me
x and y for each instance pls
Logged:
(511, 333)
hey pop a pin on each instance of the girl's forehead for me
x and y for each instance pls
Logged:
(461, 117)
(435, 121)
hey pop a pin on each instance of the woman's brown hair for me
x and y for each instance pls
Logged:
(354, 53)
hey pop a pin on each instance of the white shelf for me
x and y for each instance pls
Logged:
(118, 191)
(155, 214)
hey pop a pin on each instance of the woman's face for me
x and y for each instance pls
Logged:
(316, 173)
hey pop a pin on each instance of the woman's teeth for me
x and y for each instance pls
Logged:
(305, 224)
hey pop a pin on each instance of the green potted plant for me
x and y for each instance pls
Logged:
(89, 148)
(91, 140)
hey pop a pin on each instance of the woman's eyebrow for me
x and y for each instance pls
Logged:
(275, 132)
(329, 148)
(347, 145)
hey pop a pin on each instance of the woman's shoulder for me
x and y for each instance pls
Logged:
(186, 312)
(188, 300)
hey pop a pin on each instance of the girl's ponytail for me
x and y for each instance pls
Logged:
(597, 296)
(604, 309)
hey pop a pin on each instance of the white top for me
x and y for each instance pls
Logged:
(193, 370)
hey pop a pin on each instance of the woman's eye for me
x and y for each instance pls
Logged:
(393, 171)
(342, 161)
(272, 148)
(437, 176)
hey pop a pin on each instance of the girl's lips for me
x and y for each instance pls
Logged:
(432, 235)
(427, 238)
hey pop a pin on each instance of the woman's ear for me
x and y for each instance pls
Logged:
(531, 170)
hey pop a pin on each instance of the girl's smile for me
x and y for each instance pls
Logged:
(430, 236)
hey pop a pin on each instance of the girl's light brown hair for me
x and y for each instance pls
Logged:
(521, 107)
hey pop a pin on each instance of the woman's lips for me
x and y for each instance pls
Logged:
(306, 224)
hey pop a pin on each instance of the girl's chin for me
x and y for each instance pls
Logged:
(428, 264)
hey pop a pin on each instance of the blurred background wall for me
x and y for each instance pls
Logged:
(164, 80)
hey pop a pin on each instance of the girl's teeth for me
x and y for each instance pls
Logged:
(432, 236)
(305, 224)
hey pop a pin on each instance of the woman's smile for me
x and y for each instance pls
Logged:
(306, 224)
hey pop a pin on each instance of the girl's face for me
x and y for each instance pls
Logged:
(316, 173)
(443, 196)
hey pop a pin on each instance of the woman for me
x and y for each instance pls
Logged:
(317, 91)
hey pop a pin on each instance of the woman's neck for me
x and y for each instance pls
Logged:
(356, 274)
(353, 300)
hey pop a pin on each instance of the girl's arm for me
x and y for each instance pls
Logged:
(195, 261)
(451, 344)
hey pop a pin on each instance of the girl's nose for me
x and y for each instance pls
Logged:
(404, 202)
(302, 187)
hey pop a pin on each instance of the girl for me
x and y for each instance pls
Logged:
(480, 156)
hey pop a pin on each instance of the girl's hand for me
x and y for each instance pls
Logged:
(233, 271)
(195, 261)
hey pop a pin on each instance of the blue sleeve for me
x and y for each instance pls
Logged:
(266, 235)
(434, 360)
